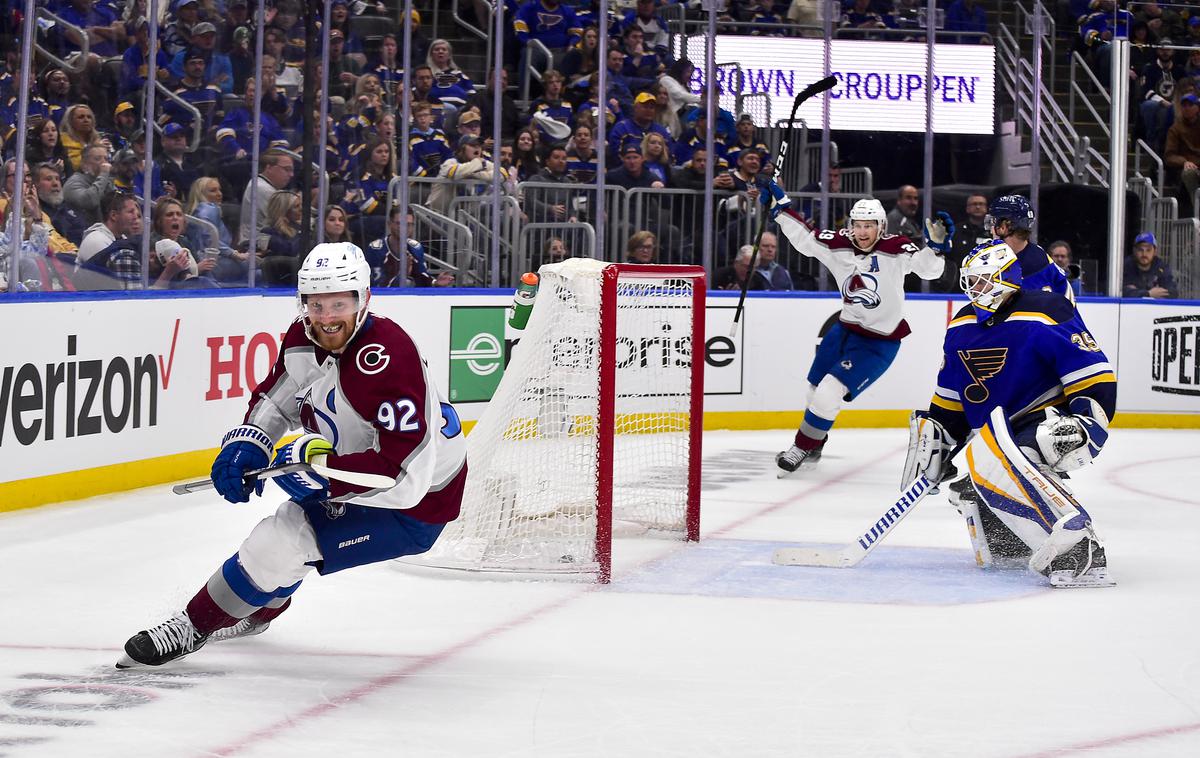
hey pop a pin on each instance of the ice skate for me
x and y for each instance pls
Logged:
(794, 459)
(244, 628)
(170, 640)
(1084, 565)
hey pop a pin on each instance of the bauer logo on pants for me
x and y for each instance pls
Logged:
(477, 352)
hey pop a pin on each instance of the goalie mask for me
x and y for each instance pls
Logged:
(990, 275)
(867, 209)
(333, 267)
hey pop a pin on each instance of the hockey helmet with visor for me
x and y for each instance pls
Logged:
(330, 268)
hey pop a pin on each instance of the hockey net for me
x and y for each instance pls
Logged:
(596, 422)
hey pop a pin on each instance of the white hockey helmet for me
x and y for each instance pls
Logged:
(867, 209)
(333, 267)
(990, 274)
(870, 209)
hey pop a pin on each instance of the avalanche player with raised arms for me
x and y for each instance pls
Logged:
(869, 265)
(1021, 373)
(1010, 218)
(360, 389)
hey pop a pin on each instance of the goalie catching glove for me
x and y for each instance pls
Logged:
(304, 486)
(939, 230)
(1071, 442)
(930, 448)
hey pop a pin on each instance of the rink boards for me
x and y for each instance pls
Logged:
(101, 394)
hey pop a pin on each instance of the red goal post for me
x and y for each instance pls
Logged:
(596, 422)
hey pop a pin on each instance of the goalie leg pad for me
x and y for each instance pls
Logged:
(1029, 503)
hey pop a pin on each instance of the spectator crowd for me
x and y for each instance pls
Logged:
(86, 151)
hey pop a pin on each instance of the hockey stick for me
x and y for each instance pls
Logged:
(808, 93)
(852, 555)
(357, 478)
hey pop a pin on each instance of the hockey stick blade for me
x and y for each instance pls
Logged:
(853, 554)
(357, 478)
(813, 90)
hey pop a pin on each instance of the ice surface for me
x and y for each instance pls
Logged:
(694, 650)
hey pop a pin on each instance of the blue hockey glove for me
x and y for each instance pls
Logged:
(939, 231)
(245, 448)
(775, 199)
(304, 486)
(417, 251)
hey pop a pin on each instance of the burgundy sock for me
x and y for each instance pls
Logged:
(263, 615)
(206, 615)
(804, 442)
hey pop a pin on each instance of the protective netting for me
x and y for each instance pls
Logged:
(532, 487)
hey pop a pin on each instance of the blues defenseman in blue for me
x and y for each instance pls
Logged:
(1024, 380)
(1010, 218)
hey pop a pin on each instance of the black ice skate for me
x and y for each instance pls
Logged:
(243, 628)
(172, 639)
(1084, 565)
(793, 459)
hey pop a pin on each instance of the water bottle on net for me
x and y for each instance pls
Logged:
(523, 301)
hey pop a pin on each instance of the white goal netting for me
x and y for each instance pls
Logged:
(536, 496)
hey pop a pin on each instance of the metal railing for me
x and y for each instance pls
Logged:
(1075, 91)
(1070, 156)
(85, 44)
(447, 242)
(197, 117)
(1024, 22)
(535, 52)
(1143, 151)
(1179, 245)
(579, 239)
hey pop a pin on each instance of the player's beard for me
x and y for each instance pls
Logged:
(336, 341)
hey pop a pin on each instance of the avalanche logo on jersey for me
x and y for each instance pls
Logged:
(311, 417)
(981, 365)
(861, 289)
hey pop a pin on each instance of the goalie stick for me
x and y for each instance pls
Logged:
(853, 554)
(357, 478)
(808, 93)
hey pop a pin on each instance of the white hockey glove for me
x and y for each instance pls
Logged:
(1065, 442)
(304, 486)
(938, 231)
(930, 448)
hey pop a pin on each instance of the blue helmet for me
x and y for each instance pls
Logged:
(989, 275)
(1014, 209)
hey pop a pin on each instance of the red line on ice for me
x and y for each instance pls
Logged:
(426, 661)
(1121, 739)
(1113, 477)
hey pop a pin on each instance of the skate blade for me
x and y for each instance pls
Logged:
(125, 662)
(804, 466)
(1065, 580)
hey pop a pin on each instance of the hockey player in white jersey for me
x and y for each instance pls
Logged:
(869, 266)
(357, 385)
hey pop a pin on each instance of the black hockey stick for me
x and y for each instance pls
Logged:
(809, 92)
(358, 478)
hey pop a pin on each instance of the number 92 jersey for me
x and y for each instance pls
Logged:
(378, 405)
